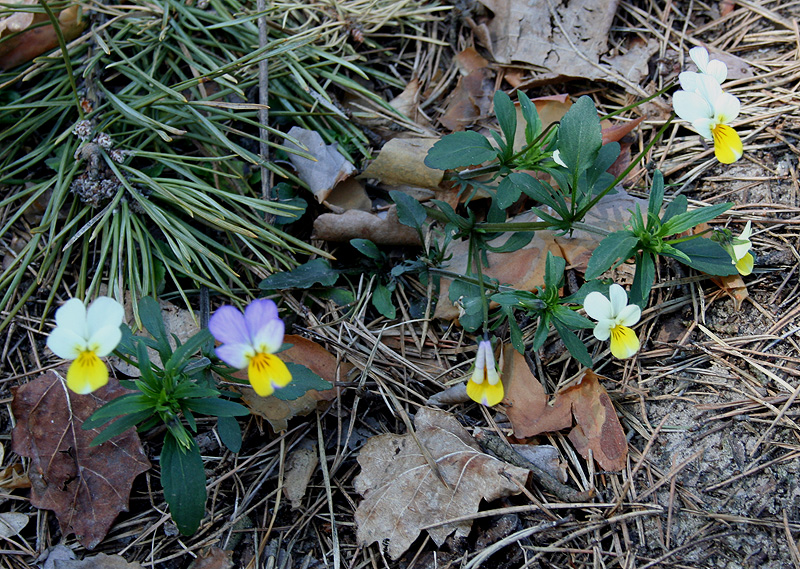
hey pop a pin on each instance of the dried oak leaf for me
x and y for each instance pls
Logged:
(596, 424)
(402, 494)
(85, 486)
(99, 561)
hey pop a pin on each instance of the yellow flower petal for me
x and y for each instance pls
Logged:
(745, 265)
(267, 372)
(624, 342)
(485, 393)
(87, 373)
(727, 144)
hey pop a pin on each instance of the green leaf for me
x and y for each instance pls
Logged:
(574, 344)
(514, 330)
(533, 124)
(707, 256)
(570, 318)
(643, 279)
(305, 276)
(217, 407)
(678, 205)
(472, 319)
(617, 245)
(303, 379)
(507, 118)
(184, 483)
(656, 194)
(367, 248)
(230, 433)
(458, 150)
(554, 271)
(150, 315)
(508, 191)
(409, 211)
(382, 301)
(606, 156)
(579, 136)
(593, 285)
(542, 330)
(451, 214)
(120, 426)
(685, 221)
(122, 405)
(181, 355)
(516, 241)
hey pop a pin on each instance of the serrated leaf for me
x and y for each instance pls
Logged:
(459, 150)
(579, 136)
(305, 276)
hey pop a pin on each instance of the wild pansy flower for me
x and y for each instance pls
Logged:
(740, 251)
(614, 317)
(710, 111)
(85, 336)
(250, 341)
(485, 386)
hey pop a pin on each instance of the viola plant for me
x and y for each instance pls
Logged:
(84, 336)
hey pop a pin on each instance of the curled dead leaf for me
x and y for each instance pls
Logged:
(329, 167)
(382, 229)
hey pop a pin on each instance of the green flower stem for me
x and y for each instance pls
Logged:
(527, 147)
(582, 213)
(511, 226)
(476, 255)
(637, 103)
(687, 238)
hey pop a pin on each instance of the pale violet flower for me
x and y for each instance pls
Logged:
(85, 336)
(710, 111)
(485, 386)
(250, 341)
(740, 250)
(614, 318)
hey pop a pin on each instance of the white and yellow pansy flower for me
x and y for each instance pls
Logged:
(484, 386)
(614, 318)
(740, 250)
(85, 336)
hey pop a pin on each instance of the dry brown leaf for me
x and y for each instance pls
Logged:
(11, 523)
(85, 486)
(453, 395)
(531, 413)
(402, 494)
(533, 33)
(324, 173)
(17, 49)
(380, 228)
(214, 558)
(316, 358)
(472, 96)
(300, 467)
(401, 162)
(99, 561)
(348, 194)
(13, 477)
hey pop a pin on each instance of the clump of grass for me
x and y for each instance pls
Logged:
(143, 146)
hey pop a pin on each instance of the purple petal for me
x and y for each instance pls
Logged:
(227, 326)
(258, 314)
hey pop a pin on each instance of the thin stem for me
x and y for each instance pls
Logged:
(476, 253)
(637, 103)
(64, 53)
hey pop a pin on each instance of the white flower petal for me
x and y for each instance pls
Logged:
(269, 338)
(602, 329)
(597, 306)
(741, 249)
(690, 106)
(72, 316)
(747, 231)
(104, 312)
(618, 298)
(708, 88)
(700, 57)
(235, 355)
(726, 108)
(65, 343)
(689, 81)
(557, 159)
(104, 340)
(704, 127)
(629, 315)
(717, 70)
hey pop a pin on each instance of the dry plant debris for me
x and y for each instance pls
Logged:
(403, 495)
(87, 487)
